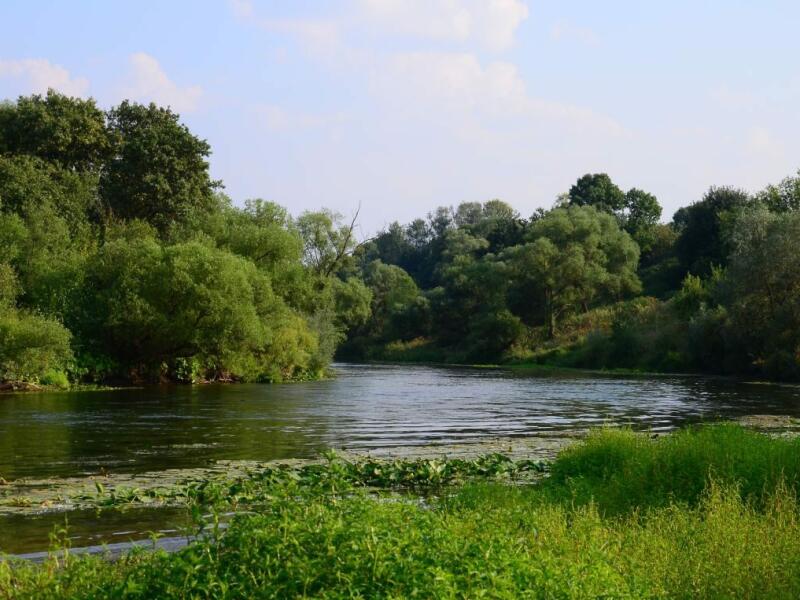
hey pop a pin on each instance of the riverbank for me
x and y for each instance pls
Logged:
(705, 512)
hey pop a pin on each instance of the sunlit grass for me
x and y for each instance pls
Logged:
(709, 513)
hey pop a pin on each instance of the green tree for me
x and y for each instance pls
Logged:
(762, 292)
(68, 131)
(702, 229)
(148, 306)
(599, 191)
(158, 171)
(640, 218)
(327, 240)
(31, 347)
(394, 294)
(783, 197)
(574, 256)
(29, 184)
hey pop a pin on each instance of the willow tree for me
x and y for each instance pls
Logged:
(572, 257)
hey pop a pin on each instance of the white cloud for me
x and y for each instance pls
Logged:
(147, 82)
(39, 74)
(491, 23)
(458, 86)
(452, 81)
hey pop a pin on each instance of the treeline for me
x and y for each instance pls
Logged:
(595, 282)
(121, 260)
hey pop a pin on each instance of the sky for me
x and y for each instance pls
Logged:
(399, 106)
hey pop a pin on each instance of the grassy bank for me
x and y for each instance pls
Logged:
(711, 512)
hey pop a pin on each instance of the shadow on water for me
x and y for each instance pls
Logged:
(21, 534)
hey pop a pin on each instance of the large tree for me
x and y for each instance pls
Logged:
(158, 171)
(762, 291)
(597, 189)
(573, 256)
(151, 307)
(55, 127)
(702, 241)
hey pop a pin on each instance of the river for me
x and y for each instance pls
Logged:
(364, 407)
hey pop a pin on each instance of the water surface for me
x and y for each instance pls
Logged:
(364, 407)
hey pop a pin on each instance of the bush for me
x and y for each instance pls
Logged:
(31, 347)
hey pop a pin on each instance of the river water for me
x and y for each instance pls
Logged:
(363, 407)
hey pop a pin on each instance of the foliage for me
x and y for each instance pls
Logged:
(147, 305)
(599, 191)
(762, 291)
(622, 471)
(68, 131)
(158, 171)
(31, 347)
(702, 226)
(705, 513)
(111, 226)
(575, 255)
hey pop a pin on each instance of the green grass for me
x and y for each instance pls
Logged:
(705, 513)
(623, 471)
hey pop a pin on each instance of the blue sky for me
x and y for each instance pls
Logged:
(402, 105)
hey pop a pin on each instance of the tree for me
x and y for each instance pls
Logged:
(572, 257)
(158, 171)
(640, 218)
(68, 131)
(327, 241)
(783, 197)
(149, 307)
(394, 293)
(762, 292)
(32, 347)
(702, 229)
(29, 184)
(599, 191)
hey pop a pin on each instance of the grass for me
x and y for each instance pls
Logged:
(710, 512)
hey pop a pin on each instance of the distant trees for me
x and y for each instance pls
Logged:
(121, 258)
(783, 197)
(636, 211)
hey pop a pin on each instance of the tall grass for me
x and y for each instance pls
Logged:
(706, 513)
(622, 471)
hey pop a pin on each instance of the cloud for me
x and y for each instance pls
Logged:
(147, 82)
(456, 86)
(39, 74)
(491, 23)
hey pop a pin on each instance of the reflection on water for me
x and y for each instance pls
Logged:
(366, 406)
(83, 528)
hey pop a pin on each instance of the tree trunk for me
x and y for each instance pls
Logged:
(550, 314)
